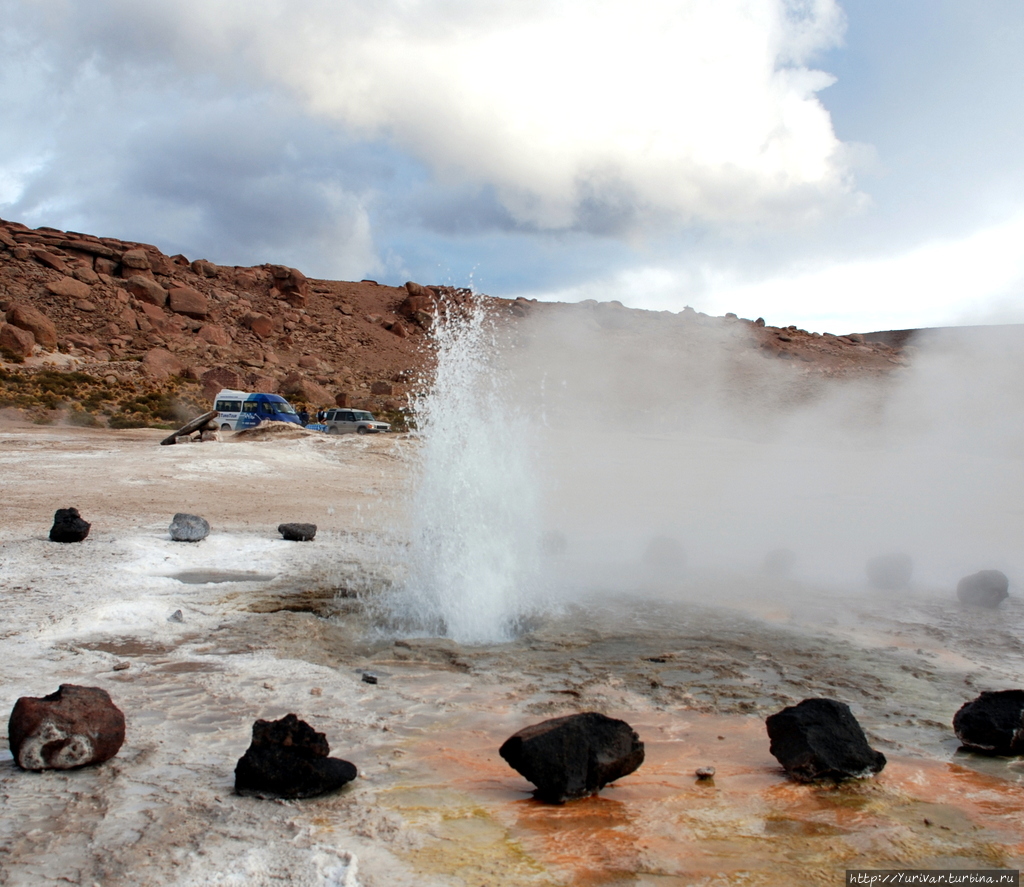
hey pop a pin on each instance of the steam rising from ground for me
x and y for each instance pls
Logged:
(473, 556)
(653, 426)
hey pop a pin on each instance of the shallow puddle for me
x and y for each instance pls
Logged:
(208, 577)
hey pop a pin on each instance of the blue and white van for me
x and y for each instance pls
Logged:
(240, 409)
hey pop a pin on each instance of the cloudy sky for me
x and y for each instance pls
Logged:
(839, 164)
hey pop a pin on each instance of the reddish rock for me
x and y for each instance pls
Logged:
(188, 301)
(160, 364)
(79, 341)
(291, 285)
(260, 324)
(308, 362)
(215, 335)
(382, 388)
(161, 264)
(399, 330)
(69, 288)
(6, 239)
(104, 266)
(50, 260)
(220, 377)
(73, 727)
(296, 386)
(85, 274)
(92, 247)
(15, 341)
(85, 305)
(152, 312)
(343, 399)
(28, 318)
(204, 268)
(146, 290)
(249, 278)
(136, 260)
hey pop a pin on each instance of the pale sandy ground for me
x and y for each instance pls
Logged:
(434, 804)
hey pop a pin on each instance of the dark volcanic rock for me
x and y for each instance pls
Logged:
(993, 723)
(821, 739)
(288, 759)
(297, 532)
(70, 728)
(68, 526)
(574, 756)
(188, 528)
(889, 571)
(986, 588)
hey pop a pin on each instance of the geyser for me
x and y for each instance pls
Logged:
(473, 556)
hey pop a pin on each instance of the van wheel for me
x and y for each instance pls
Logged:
(361, 429)
(225, 427)
(333, 430)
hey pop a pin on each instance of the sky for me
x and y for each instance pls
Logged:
(841, 165)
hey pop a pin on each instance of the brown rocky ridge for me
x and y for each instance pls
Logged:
(107, 331)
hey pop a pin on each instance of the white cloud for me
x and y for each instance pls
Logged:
(978, 278)
(576, 111)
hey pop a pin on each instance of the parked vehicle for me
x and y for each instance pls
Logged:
(241, 409)
(353, 421)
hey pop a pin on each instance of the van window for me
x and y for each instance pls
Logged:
(250, 406)
(228, 406)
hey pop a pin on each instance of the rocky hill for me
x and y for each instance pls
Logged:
(106, 331)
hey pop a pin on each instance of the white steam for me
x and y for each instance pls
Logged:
(473, 558)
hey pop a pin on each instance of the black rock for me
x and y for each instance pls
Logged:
(288, 759)
(986, 588)
(188, 528)
(297, 532)
(821, 739)
(68, 526)
(889, 572)
(993, 723)
(574, 756)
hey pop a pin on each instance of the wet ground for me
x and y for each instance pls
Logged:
(272, 627)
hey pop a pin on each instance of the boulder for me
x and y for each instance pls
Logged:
(260, 324)
(160, 364)
(573, 756)
(73, 727)
(188, 528)
(69, 288)
(136, 260)
(889, 572)
(382, 388)
(28, 318)
(297, 532)
(16, 342)
(215, 335)
(146, 290)
(218, 378)
(291, 285)
(992, 724)
(296, 386)
(289, 759)
(204, 268)
(821, 739)
(986, 588)
(68, 526)
(188, 301)
(50, 260)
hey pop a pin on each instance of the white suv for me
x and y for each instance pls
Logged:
(357, 421)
